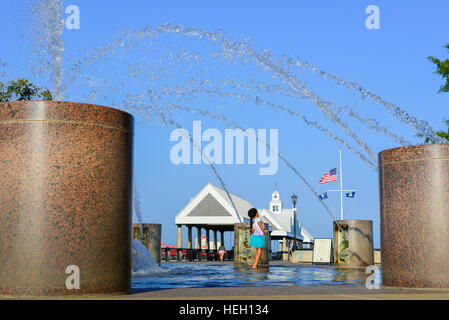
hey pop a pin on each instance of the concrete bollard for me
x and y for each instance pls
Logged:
(243, 254)
(151, 238)
(353, 248)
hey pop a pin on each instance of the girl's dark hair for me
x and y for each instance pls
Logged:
(251, 213)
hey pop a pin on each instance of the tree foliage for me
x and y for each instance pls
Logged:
(442, 70)
(22, 89)
(443, 134)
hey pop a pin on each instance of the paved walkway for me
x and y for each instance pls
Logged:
(331, 292)
(328, 292)
(334, 292)
(296, 293)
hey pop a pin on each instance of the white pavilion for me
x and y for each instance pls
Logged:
(211, 210)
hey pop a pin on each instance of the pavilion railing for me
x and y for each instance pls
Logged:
(186, 254)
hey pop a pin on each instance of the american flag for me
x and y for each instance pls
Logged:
(329, 176)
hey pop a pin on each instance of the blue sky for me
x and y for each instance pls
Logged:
(390, 62)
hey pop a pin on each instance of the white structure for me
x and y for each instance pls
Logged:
(211, 209)
(282, 223)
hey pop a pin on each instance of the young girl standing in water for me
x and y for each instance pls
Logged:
(257, 239)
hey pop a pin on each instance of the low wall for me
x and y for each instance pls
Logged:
(377, 256)
(302, 256)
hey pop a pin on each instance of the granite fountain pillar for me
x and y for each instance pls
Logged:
(414, 204)
(65, 199)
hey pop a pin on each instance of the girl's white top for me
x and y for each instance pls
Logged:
(257, 230)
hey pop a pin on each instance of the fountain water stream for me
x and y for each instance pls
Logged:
(137, 209)
(47, 26)
(241, 50)
(143, 263)
(227, 51)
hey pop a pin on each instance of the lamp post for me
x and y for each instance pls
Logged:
(294, 199)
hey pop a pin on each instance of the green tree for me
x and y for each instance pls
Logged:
(442, 70)
(22, 89)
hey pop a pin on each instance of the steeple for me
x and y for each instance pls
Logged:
(276, 203)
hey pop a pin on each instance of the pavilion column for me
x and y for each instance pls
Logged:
(284, 249)
(189, 237)
(222, 237)
(215, 239)
(179, 242)
(270, 252)
(207, 244)
(198, 243)
(198, 238)
(222, 242)
(207, 239)
(189, 243)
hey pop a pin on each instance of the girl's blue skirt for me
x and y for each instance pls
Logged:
(257, 241)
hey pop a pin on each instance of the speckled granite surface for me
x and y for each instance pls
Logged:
(65, 197)
(414, 201)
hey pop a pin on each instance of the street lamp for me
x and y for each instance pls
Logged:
(294, 199)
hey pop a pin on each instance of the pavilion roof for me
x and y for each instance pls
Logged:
(211, 206)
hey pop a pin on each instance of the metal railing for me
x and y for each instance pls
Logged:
(183, 254)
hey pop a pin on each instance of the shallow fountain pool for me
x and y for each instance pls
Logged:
(187, 275)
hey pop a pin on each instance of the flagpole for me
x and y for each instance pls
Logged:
(341, 188)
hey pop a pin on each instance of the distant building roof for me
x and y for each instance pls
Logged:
(211, 206)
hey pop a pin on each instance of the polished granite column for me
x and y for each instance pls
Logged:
(65, 198)
(414, 204)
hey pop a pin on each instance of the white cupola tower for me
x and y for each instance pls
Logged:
(276, 203)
